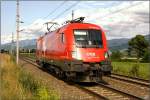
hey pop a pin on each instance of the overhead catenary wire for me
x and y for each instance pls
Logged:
(60, 5)
(73, 5)
(116, 11)
(61, 13)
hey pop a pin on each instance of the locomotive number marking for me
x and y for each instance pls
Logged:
(90, 54)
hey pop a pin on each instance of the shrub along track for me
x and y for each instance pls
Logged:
(98, 91)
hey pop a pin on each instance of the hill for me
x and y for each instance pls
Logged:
(114, 44)
(26, 44)
(118, 44)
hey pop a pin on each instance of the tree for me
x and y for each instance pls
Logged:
(116, 55)
(32, 50)
(146, 57)
(139, 45)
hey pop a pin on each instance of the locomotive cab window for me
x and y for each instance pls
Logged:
(62, 38)
(88, 38)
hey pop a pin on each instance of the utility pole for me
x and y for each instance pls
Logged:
(0, 38)
(12, 43)
(72, 14)
(17, 31)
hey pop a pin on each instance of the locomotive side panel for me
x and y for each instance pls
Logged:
(54, 46)
(39, 48)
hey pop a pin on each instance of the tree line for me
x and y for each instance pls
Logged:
(139, 48)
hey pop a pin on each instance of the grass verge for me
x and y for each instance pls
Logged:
(17, 84)
(30, 55)
(140, 70)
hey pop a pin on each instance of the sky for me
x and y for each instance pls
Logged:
(119, 19)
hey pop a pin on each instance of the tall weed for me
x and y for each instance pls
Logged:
(17, 84)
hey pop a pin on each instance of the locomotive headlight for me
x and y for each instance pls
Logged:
(106, 55)
(76, 55)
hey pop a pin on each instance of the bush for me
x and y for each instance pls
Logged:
(146, 57)
(116, 56)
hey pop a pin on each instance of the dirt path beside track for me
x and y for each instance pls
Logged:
(66, 91)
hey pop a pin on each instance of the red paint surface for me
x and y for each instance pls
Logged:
(50, 45)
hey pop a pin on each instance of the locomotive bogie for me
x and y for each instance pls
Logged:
(79, 71)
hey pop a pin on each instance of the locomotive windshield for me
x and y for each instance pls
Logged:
(89, 38)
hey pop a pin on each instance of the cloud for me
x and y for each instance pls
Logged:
(35, 27)
(22, 36)
(119, 19)
(136, 21)
(126, 23)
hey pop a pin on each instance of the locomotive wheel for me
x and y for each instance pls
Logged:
(58, 72)
(99, 76)
(70, 76)
(61, 74)
(41, 64)
(51, 69)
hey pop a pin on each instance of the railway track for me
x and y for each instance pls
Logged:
(139, 79)
(133, 80)
(109, 93)
(118, 94)
(129, 79)
(100, 91)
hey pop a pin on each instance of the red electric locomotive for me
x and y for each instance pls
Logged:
(76, 51)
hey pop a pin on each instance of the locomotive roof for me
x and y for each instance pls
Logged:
(88, 25)
(72, 25)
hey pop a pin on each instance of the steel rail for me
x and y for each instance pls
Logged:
(139, 79)
(120, 92)
(130, 80)
(29, 60)
(91, 92)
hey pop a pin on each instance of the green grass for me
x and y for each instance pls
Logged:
(31, 55)
(17, 84)
(141, 70)
(36, 88)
